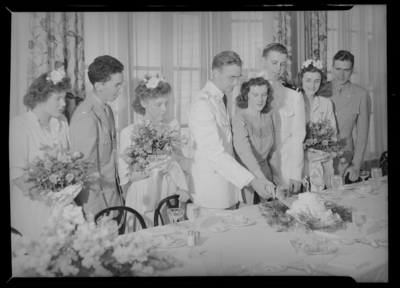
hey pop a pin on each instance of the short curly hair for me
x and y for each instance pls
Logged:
(143, 94)
(103, 67)
(242, 101)
(40, 89)
(299, 79)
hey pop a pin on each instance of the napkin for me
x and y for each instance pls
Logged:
(349, 262)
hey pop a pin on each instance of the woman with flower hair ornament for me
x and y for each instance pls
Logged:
(45, 124)
(144, 190)
(310, 81)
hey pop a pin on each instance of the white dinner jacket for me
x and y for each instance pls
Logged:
(217, 176)
(290, 130)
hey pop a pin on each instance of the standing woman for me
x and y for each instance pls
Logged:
(288, 104)
(143, 190)
(316, 107)
(42, 124)
(253, 131)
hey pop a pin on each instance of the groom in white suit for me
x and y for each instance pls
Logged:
(217, 176)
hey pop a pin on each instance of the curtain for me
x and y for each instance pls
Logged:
(283, 34)
(362, 31)
(44, 41)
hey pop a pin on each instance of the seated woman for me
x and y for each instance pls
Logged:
(144, 190)
(316, 107)
(253, 131)
(42, 124)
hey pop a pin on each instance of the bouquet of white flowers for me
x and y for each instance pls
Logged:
(149, 142)
(69, 245)
(58, 177)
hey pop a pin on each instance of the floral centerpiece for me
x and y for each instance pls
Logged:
(309, 210)
(69, 245)
(148, 142)
(58, 176)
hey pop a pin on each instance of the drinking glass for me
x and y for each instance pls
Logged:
(382, 221)
(336, 182)
(363, 175)
(318, 182)
(212, 262)
(193, 213)
(174, 214)
(376, 174)
(359, 218)
(296, 238)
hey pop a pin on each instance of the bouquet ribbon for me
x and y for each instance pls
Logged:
(58, 200)
(321, 167)
(160, 180)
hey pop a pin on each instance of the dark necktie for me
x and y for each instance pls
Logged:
(225, 101)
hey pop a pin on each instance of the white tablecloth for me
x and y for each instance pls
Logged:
(260, 243)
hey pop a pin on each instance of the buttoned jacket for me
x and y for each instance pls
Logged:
(93, 133)
(287, 155)
(352, 109)
(217, 176)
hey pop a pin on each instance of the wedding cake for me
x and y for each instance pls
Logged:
(314, 205)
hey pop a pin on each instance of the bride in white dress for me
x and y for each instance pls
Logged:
(143, 191)
(42, 124)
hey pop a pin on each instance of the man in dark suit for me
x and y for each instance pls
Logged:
(352, 105)
(92, 131)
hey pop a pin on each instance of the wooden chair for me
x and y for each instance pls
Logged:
(383, 163)
(121, 218)
(171, 202)
(15, 231)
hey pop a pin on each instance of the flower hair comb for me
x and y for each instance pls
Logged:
(56, 75)
(317, 64)
(152, 82)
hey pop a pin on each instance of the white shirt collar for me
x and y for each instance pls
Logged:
(215, 89)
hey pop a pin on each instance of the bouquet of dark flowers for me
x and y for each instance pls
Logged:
(70, 245)
(58, 176)
(322, 136)
(149, 142)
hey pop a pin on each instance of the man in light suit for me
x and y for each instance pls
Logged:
(352, 105)
(92, 131)
(217, 176)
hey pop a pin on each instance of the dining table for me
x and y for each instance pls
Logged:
(257, 249)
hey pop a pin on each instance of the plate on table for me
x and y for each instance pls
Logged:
(313, 249)
(180, 226)
(168, 241)
(232, 222)
(216, 228)
(342, 241)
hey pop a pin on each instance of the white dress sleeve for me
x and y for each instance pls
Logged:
(19, 147)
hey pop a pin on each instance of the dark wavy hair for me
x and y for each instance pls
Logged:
(226, 58)
(243, 98)
(344, 55)
(144, 94)
(299, 79)
(40, 89)
(103, 67)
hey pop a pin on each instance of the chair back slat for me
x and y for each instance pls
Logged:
(171, 202)
(123, 212)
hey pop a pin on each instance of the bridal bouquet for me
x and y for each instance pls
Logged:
(58, 176)
(322, 136)
(149, 141)
(70, 245)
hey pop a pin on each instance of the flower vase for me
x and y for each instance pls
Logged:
(58, 200)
